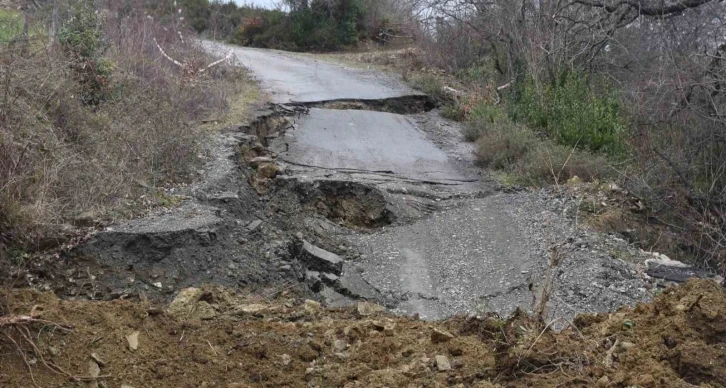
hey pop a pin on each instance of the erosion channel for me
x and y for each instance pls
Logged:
(349, 186)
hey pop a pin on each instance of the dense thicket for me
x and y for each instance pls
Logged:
(305, 25)
(642, 81)
(94, 120)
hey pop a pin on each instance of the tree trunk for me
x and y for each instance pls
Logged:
(54, 23)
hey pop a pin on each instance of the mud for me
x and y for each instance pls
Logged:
(212, 337)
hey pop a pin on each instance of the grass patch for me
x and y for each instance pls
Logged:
(429, 85)
(521, 157)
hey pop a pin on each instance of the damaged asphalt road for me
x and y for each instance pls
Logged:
(349, 186)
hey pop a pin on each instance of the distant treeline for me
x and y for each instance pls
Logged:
(318, 25)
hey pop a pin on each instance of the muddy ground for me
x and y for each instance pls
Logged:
(218, 338)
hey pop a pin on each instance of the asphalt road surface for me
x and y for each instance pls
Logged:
(467, 256)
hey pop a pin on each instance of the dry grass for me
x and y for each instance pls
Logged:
(60, 156)
(530, 160)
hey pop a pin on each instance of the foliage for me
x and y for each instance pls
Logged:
(67, 147)
(11, 25)
(572, 113)
(82, 38)
(527, 159)
(315, 25)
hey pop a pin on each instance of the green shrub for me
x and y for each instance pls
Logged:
(453, 112)
(529, 160)
(428, 84)
(82, 37)
(481, 117)
(572, 112)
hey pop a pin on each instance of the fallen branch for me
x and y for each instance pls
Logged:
(187, 67)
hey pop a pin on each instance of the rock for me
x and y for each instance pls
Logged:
(311, 306)
(254, 225)
(366, 309)
(133, 341)
(329, 278)
(442, 363)
(237, 385)
(268, 170)
(319, 259)
(286, 359)
(98, 359)
(93, 369)
(457, 364)
(251, 309)
(603, 381)
(187, 305)
(126, 386)
(53, 351)
(340, 345)
(439, 336)
(256, 162)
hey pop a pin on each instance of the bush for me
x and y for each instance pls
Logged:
(530, 160)
(481, 117)
(572, 113)
(429, 85)
(61, 155)
(453, 112)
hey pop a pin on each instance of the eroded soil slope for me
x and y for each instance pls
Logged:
(216, 338)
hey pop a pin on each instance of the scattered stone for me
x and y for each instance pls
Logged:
(256, 162)
(340, 345)
(158, 285)
(133, 341)
(93, 369)
(319, 259)
(603, 381)
(367, 309)
(311, 306)
(457, 364)
(330, 278)
(254, 225)
(98, 359)
(188, 305)
(442, 363)
(53, 351)
(439, 336)
(286, 359)
(251, 308)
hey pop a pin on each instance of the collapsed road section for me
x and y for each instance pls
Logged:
(346, 187)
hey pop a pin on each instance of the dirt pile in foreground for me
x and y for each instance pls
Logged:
(214, 338)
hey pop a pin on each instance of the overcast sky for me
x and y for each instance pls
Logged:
(260, 3)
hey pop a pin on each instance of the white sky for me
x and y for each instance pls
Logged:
(260, 3)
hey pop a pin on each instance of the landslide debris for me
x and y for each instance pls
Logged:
(213, 337)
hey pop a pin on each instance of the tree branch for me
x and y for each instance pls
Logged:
(650, 11)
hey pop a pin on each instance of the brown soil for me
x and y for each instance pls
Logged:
(215, 338)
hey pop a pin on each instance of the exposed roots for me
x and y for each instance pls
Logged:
(17, 329)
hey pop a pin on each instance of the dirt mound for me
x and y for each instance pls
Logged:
(212, 337)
